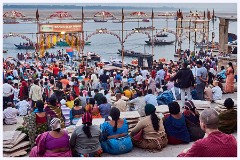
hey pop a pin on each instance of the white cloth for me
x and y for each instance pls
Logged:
(94, 78)
(139, 79)
(16, 93)
(15, 73)
(35, 92)
(144, 74)
(194, 71)
(7, 90)
(139, 105)
(217, 93)
(23, 107)
(10, 115)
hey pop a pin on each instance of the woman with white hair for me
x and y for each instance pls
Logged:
(53, 143)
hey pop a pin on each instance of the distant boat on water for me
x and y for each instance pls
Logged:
(129, 53)
(160, 42)
(24, 46)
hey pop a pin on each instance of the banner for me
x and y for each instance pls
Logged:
(60, 27)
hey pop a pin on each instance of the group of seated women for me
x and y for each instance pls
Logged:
(151, 132)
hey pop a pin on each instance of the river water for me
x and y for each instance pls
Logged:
(107, 45)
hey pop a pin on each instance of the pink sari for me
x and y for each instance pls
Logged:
(229, 88)
(40, 150)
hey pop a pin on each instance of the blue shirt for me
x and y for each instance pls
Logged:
(201, 72)
(151, 99)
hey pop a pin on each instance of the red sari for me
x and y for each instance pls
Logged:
(229, 88)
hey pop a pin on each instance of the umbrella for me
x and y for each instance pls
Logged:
(138, 14)
(13, 14)
(103, 14)
(60, 14)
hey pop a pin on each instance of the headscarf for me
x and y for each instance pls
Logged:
(55, 123)
(189, 105)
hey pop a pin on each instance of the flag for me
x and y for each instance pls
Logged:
(213, 14)
(152, 14)
(181, 15)
(37, 15)
(122, 14)
(82, 14)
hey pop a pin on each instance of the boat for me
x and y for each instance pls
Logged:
(117, 21)
(162, 35)
(116, 62)
(160, 42)
(100, 20)
(91, 56)
(10, 21)
(65, 44)
(144, 28)
(145, 20)
(129, 53)
(24, 46)
(204, 45)
(4, 51)
(87, 43)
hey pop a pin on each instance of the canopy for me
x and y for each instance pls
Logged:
(103, 14)
(13, 14)
(138, 14)
(60, 14)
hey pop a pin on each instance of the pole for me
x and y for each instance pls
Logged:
(152, 34)
(189, 34)
(176, 37)
(195, 36)
(122, 41)
(207, 34)
(83, 43)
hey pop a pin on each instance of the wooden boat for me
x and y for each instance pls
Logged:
(100, 20)
(4, 51)
(144, 28)
(162, 35)
(145, 20)
(24, 47)
(91, 56)
(129, 53)
(160, 42)
(65, 44)
(208, 44)
(117, 21)
(116, 62)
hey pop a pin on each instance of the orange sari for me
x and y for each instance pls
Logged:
(229, 88)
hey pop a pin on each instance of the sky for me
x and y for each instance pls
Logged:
(225, 7)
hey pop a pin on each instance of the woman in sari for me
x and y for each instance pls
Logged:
(84, 134)
(92, 108)
(23, 92)
(175, 125)
(229, 88)
(76, 112)
(53, 143)
(53, 110)
(192, 120)
(153, 132)
(35, 123)
(115, 138)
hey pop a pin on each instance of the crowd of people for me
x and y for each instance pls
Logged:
(50, 100)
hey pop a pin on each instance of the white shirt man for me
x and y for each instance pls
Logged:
(15, 73)
(94, 80)
(139, 79)
(23, 106)
(10, 115)
(217, 93)
(8, 90)
(144, 73)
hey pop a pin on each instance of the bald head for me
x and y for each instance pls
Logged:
(209, 117)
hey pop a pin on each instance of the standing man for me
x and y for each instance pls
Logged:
(8, 90)
(35, 93)
(185, 80)
(104, 80)
(160, 76)
(201, 79)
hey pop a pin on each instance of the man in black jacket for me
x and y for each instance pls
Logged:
(185, 80)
